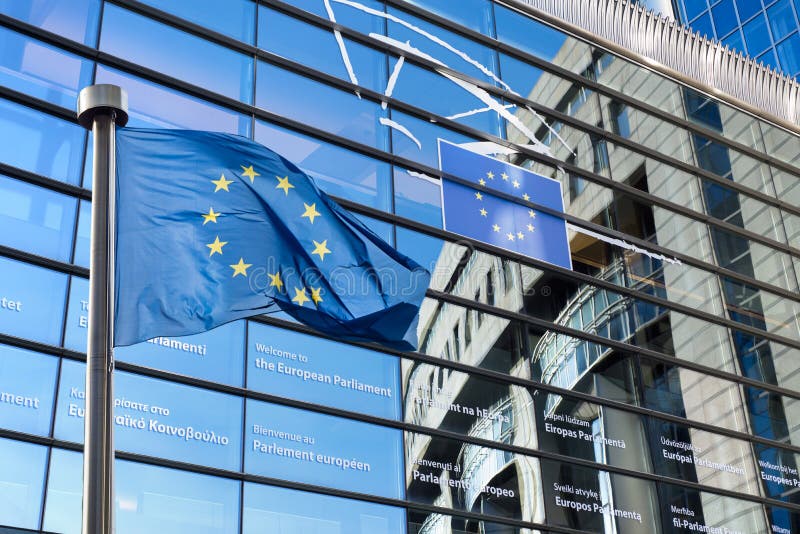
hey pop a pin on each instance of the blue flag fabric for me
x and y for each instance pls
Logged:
(473, 211)
(213, 227)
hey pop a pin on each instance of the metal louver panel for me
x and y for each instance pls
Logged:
(681, 53)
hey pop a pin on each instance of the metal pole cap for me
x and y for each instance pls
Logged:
(102, 99)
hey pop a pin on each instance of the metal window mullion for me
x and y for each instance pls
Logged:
(377, 153)
(434, 433)
(491, 375)
(420, 113)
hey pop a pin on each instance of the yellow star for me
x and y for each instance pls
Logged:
(210, 216)
(495, 228)
(520, 235)
(222, 183)
(321, 249)
(300, 296)
(216, 246)
(315, 294)
(526, 197)
(504, 176)
(490, 175)
(275, 280)
(482, 181)
(516, 184)
(240, 268)
(510, 236)
(483, 212)
(311, 212)
(530, 227)
(531, 214)
(249, 172)
(478, 196)
(283, 183)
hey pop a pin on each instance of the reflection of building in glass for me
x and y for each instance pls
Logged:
(652, 389)
(590, 367)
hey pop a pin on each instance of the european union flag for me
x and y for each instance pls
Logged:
(213, 227)
(473, 211)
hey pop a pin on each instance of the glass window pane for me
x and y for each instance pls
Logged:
(298, 512)
(336, 170)
(176, 53)
(76, 330)
(423, 522)
(521, 76)
(157, 499)
(81, 255)
(686, 453)
(769, 58)
(637, 82)
(421, 248)
(319, 50)
(382, 229)
(756, 35)
(724, 17)
(735, 41)
(781, 19)
(523, 32)
(158, 418)
(789, 54)
(422, 145)
(36, 219)
(148, 499)
(154, 106)
(500, 483)
(41, 70)
(418, 197)
(778, 471)
(702, 25)
(27, 386)
(31, 301)
(433, 92)
(421, 39)
(299, 366)
(474, 14)
(747, 8)
(41, 143)
(22, 467)
(62, 511)
(685, 506)
(346, 15)
(781, 520)
(692, 8)
(550, 90)
(234, 18)
(216, 355)
(321, 106)
(76, 20)
(314, 448)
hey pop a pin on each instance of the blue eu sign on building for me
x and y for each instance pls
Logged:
(473, 207)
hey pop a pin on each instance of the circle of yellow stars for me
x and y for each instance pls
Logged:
(510, 236)
(302, 295)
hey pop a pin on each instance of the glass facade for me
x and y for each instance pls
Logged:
(652, 388)
(767, 30)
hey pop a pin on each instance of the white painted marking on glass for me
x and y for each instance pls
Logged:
(623, 244)
(476, 111)
(402, 129)
(342, 49)
(393, 78)
(430, 36)
(486, 98)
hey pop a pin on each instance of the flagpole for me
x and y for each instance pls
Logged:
(100, 109)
